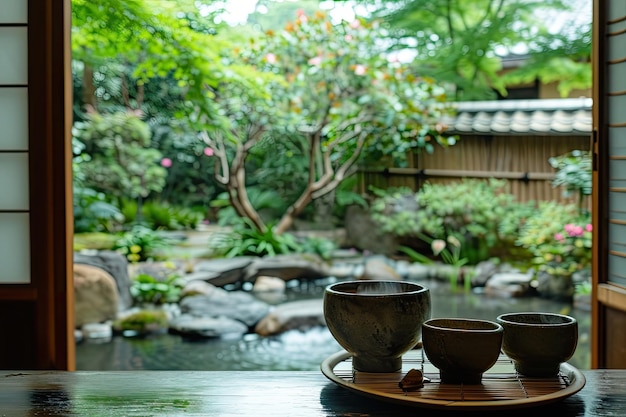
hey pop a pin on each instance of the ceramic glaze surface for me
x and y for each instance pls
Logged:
(538, 342)
(462, 349)
(376, 321)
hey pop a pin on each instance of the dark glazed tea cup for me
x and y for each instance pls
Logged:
(376, 321)
(462, 349)
(538, 342)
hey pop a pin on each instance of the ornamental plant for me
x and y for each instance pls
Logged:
(568, 252)
(573, 174)
(330, 89)
(469, 209)
(141, 243)
(558, 239)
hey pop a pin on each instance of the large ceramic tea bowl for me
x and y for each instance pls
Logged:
(462, 349)
(538, 342)
(376, 321)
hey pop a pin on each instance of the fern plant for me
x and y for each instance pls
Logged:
(246, 240)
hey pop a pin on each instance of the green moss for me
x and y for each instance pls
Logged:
(142, 321)
(98, 241)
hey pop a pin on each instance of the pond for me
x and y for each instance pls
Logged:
(300, 350)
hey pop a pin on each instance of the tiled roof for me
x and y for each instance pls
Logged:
(522, 117)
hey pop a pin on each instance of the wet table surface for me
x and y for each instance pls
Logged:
(250, 393)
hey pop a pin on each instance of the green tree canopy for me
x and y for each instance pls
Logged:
(461, 42)
(330, 86)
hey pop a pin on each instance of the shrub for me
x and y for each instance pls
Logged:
(246, 240)
(558, 238)
(141, 243)
(469, 210)
(93, 213)
(146, 289)
(573, 173)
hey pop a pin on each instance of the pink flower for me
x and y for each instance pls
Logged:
(578, 231)
(348, 38)
(360, 69)
(355, 24)
(559, 237)
(589, 227)
(317, 61)
(166, 162)
(569, 227)
(270, 58)
(208, 151)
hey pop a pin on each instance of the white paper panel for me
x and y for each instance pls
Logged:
(13, 55)
(14, 118)
(14, 248)
(617, 270)
(14, 11)
(14, 181)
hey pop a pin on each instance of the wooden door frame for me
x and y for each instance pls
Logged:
(39, 315)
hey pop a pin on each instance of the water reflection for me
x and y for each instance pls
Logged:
(296, 350)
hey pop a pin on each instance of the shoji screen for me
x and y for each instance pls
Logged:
(14, 202)
(609, 210)
(36, 276)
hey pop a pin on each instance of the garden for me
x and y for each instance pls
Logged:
(184, 124)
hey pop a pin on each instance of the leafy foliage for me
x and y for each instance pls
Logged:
(461, 43)
(146, 289)
(122, 164)
(469, 210)
(331, 88)
(573, 173)
(246, 240)
(141, 243)
(558, 237)
(92, 212)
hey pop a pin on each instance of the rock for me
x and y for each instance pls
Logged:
(224, 271)
(198, 288)
(236, 305)
(301, 315)
(269, 284)
(207, 276)
(306, 266)
(379, 268)
(343, 270)
(555, 287)
(509, 284)
(99, 332)
(363, 233)
(117, 266)
(96, 297)
(415, 271)
(482, 272)
(207, 327)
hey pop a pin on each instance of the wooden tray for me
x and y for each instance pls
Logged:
(501, 388)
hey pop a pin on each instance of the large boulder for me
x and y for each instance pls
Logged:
(301, 315)
(116, 265)
(236, 305)
(95, 294)
(364, 233)
(222, 271)
(194, 327)
(301, 266)
(379, 268)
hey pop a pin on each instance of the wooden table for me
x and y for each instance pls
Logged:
(253, 393)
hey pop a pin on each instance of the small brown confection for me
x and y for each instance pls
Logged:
(414, 379)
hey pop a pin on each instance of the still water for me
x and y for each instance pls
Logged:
(299, 350)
